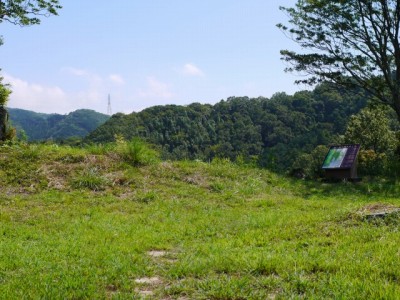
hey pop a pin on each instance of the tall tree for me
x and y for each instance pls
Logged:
(350, 42)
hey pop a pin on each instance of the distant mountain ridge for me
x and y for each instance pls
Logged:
(41, 126)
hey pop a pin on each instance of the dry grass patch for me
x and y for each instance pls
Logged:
(378, 208)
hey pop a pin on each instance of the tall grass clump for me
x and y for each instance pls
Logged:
(136, 152)
(90, 179)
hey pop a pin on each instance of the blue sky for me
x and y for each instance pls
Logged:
(145, 53)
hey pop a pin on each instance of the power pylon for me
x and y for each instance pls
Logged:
(109, 111)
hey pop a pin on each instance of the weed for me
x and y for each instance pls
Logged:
(90, 179)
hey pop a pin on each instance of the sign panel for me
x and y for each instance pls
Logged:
(341, 157)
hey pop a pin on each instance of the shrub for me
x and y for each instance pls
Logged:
(371, 129)
(371, 163)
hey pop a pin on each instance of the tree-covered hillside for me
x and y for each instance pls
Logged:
(39, 126)
(273, 131)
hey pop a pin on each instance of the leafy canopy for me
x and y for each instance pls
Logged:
(4, 92)
(27, 12)
(350, 42)
(370, 128)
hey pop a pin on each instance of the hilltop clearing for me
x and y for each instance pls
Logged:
(101, 223)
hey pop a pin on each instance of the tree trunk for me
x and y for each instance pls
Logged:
(3, 123)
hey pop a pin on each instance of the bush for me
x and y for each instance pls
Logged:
(371, 129)
(371, 163)
(379, 143)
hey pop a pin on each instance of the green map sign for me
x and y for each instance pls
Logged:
(341, 157)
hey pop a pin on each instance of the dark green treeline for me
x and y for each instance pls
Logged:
(272, 132)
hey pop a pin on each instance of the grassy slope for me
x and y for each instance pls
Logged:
(78, 225)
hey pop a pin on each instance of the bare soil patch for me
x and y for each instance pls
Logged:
(157, 253)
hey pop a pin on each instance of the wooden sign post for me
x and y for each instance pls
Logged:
(341, 162)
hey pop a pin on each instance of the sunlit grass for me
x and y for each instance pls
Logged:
(224, 231)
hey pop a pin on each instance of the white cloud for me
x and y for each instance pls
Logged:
(116, 79)
(80, 88)
(54, 99)
(93, 78)
(156, 89)
(192, 70)
(93, 88)
(36, 97)
(76, 72)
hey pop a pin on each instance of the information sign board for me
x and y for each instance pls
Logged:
(341, 157)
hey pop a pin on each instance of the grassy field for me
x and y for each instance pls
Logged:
(93, 224)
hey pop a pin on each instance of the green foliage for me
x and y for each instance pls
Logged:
(136, 151)
(7, 133)
(273, 131)
(25, 13)
(10, 133)
(5, 92)
(77, 124)
(347, 42)
(39, 126)
(370, 128)
(21, 135)
(372, 163)
(308, 165)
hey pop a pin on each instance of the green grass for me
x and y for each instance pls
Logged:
(79, 225)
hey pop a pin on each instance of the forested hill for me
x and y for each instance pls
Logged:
(273, 131)
(39, 126)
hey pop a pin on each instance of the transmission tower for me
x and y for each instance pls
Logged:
(109, 111)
